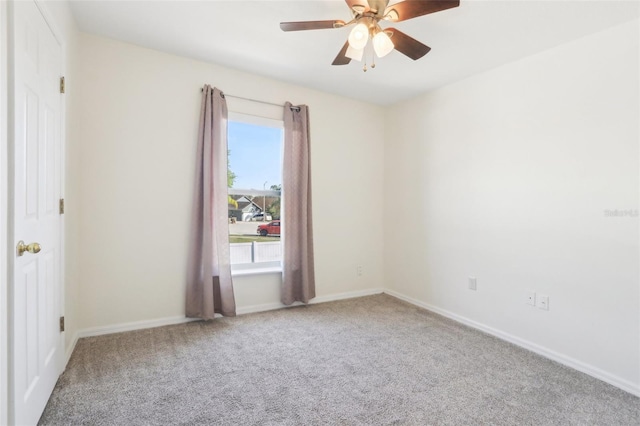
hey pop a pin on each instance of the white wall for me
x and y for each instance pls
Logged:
(136, 132)
(507, 176)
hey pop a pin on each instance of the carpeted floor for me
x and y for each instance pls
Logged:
(368, 361)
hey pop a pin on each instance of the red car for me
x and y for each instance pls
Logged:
(271, 228)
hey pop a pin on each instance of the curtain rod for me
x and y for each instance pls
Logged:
(293, 108)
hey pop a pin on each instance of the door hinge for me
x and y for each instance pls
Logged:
(61, 84)
(61, 324)
(61, 205)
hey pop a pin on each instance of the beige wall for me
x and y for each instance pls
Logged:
(506, 177)
(135, 130)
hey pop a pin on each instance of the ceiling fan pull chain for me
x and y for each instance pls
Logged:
(364, 56)
(373, 61)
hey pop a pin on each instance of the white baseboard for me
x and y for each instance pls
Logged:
(70, 350)
(130, 326)
(321, 299)
(616, 381)
(140, 325)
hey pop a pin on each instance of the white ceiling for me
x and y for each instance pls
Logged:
(477, 36)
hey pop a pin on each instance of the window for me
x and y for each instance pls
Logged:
(254, 178)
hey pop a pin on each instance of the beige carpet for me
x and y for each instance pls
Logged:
(368, 361)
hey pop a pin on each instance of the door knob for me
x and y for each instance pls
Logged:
(31, 248)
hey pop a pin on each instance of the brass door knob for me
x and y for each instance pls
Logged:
(31, 248)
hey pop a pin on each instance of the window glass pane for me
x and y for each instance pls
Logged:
(254, 178)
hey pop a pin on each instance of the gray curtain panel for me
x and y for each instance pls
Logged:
(298, 267)
(209, 285)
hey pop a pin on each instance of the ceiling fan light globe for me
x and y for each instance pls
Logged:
(382, 44)
(359, 36)
(355, 54)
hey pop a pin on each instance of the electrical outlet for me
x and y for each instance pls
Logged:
(359, 270)
(543, 302)
(473, 283)
(531, 298)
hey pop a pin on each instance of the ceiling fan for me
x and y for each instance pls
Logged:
(367, 15)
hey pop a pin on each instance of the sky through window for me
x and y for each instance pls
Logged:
(255, 155)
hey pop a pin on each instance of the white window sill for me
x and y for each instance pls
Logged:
(256, 271)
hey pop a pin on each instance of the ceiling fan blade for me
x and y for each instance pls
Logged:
(310, 25)
(358, 6)
(412, 8)
(407, 45)
(342, 59)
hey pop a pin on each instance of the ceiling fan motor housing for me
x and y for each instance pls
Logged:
(378, 7)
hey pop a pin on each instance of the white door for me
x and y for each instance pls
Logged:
(36, 339)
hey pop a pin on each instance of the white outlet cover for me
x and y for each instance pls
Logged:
(472, 283)
(531, 298)
(543, 302)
